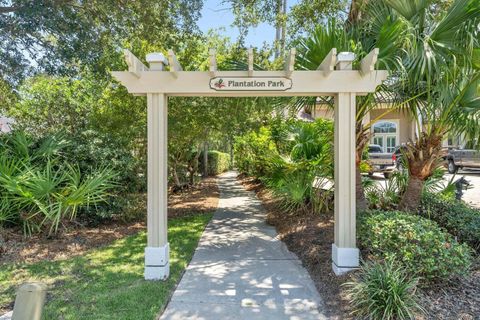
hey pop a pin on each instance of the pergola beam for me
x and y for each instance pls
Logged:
(304, 83)
(290, 63)
(135, 66)
(213, 62)
(175, 66)
(367, 64)
(250, 62)
(329, 62)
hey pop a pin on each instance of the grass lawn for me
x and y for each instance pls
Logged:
(107, 283)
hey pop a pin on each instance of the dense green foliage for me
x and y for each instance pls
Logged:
(458, 218)
(40, 188)
(57, 36)
(103, 126)
(218, 162)
(106, 126)
(290, 165)
(418, 244)
(107, 283)
(383, 291)
(255, 152)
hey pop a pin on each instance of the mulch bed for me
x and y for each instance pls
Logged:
(310, 237)
(199, 199)
(77, 238)
(459, 299)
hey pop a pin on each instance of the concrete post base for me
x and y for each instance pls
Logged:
(344, 259)
(157, 264)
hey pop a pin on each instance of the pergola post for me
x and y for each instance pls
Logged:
(345, 255)
(157, 251)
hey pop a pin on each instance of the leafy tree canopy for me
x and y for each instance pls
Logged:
(58, 35)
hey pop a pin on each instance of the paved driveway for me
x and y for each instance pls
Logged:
(471, 196)
(241, 270)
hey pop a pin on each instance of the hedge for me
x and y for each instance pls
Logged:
(418, 244)
(457, 217)
(218, 162)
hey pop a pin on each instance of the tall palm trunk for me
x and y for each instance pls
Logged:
(205, 159)
(423, 156)
(413, 194)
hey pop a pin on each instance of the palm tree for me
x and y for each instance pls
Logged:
(434, 61)
(361, 38)
(437, 67)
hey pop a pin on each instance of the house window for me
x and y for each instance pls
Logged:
(385, 134)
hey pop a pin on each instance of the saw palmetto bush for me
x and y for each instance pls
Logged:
(306, 153)
(39, 189)
(308, 161)
(387, 195)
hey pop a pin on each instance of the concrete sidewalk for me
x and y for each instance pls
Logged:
(240, 270)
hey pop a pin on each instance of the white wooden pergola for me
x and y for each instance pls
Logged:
(333, 77)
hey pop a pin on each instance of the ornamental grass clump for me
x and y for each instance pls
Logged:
(383, 290)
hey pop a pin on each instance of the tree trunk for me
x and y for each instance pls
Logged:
(423, 157)
(231, 156)
(278, 29)
(191, 177)
(205, 159)
(355, 13)
(193, 168)
(413, 194)
(175, 175)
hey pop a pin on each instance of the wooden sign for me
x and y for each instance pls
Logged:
(250, 83)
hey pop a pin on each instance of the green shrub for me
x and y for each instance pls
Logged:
(254, 153)
(218, 162)
(418, 244)
(383, 291)
(307, 152)
(90, 149)
(458, 218)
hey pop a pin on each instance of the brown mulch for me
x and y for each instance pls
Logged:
(202, 198)
(459, 299)
(311, 236)
(77, 238)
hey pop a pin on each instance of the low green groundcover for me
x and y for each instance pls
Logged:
(107, 283)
